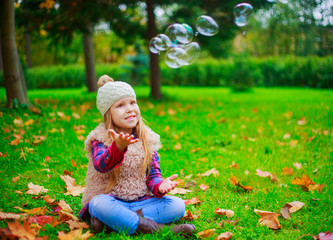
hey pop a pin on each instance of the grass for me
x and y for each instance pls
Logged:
(214, 127)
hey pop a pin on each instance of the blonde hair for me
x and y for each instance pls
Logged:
(141, 132)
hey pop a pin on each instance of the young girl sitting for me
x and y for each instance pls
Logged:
(124, 187)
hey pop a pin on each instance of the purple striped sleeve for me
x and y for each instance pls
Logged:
(154, 179)
(106, 158)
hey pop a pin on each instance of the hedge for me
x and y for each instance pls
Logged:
(314, 72)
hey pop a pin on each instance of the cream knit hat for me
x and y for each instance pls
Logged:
(109, 92)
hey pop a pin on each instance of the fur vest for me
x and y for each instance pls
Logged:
(131, 183)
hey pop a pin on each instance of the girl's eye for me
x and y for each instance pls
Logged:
(133, 102)
(120, 105)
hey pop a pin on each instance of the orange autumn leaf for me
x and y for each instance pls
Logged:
(234, 165)
(41, 220)
(289, 208)
(74, 234)
(288, 171)
(234, 181)
(72, 188)
(22, 231)
(203, 187)
(189, 216)
(206, 233)
(269, 219)
(15, 142)
(15, 216)
(192, 201)
(225, 212)
(306, 183)
(34, 211)
(49, 200)
(267, 174)
(77, 224)
(224, 236)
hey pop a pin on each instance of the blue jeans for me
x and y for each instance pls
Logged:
(121, 216)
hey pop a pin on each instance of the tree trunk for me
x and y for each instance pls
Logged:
(14, 80)
(155, 73)
(89, 59)
(27, 46)
(1, 67)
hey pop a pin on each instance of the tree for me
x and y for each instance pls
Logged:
(13, 76)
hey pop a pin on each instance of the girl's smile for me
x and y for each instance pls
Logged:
(125, 114)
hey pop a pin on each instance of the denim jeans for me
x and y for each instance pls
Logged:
(121, 216)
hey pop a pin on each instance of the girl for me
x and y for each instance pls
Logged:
(124, 187)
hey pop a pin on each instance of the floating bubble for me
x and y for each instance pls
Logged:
(154, 42)
(192, 52)
(178, 33)
(173, 63)
(206, 26)
(283, 1)
(189, 32)
(271, 1)
(164, 43)
(242, 12)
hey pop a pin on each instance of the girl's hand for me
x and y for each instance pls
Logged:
(122, 140)
(167, 185)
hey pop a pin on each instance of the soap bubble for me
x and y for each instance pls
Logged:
(173, 63)
(164, 43)
(283, 1)
(271, 1)
(206, 26)
(189, 32)
(154, 42)
(242, 13)
(178, 33)
(192, 52)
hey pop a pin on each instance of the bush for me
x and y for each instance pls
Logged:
(241, 73)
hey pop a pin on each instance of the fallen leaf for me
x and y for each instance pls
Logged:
(269, 219)
(225, 212)
(75, 115)
(293, 143)
(189, 216)
(234, 165)
(41, 220)
(325, 236)
(234, 181)
(288, 171)
(73, 163)
(179, 191)
(16, 216)
(35, 189)
(18, 122)
(77, 224)
(74, 234)
(224, 236)
(297, 165)
(49, 200)
(203, 187)
(302, 121)
(65, 207)
(267, 174)
(47, 158)
(22, 231)
(192, 201)
(34, 211)
(72, 188)
(209, 172)
(306, 183)
(15, 179)
(206, 233)
(289, 208)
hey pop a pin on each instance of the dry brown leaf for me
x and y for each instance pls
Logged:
(206, 233)
(269, 219)
(22, 231)
(15, 216)
(18, 122)
(224, 236)
(73, 163)
(203, 187)
(324, 236)
(72, 188)
(65, 207)
(77, 224)
(74, 234)
(209, 172)
(179, 191)
(289, 208)
(288, 171)
(36, 189)
(225, 212)
(15, 142)
(15, 179)
(189, 216)
(267, 174)
(34, 211)
(192, 201)
(307, 183)
(297, 165)
(49, 200)
(234, 181)
(234, 165)
(302, 121)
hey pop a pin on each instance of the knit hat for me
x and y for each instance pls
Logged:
(109, 92)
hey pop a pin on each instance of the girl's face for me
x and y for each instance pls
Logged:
(125, 114)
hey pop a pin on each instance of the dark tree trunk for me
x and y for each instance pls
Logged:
(27, 46)
(155, 73)
(89, 59)
(13, 77)
(1, 67)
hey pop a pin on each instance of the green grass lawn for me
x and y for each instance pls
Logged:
(200, 129)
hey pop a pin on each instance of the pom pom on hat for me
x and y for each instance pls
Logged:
(110, 92)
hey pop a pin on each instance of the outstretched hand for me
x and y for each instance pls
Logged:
(167, 185)
(122, 140)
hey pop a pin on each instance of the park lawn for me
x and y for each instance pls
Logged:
(200, 129)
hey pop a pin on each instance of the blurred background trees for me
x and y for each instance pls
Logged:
(117, 33)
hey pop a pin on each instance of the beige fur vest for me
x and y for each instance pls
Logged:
(131, 183)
